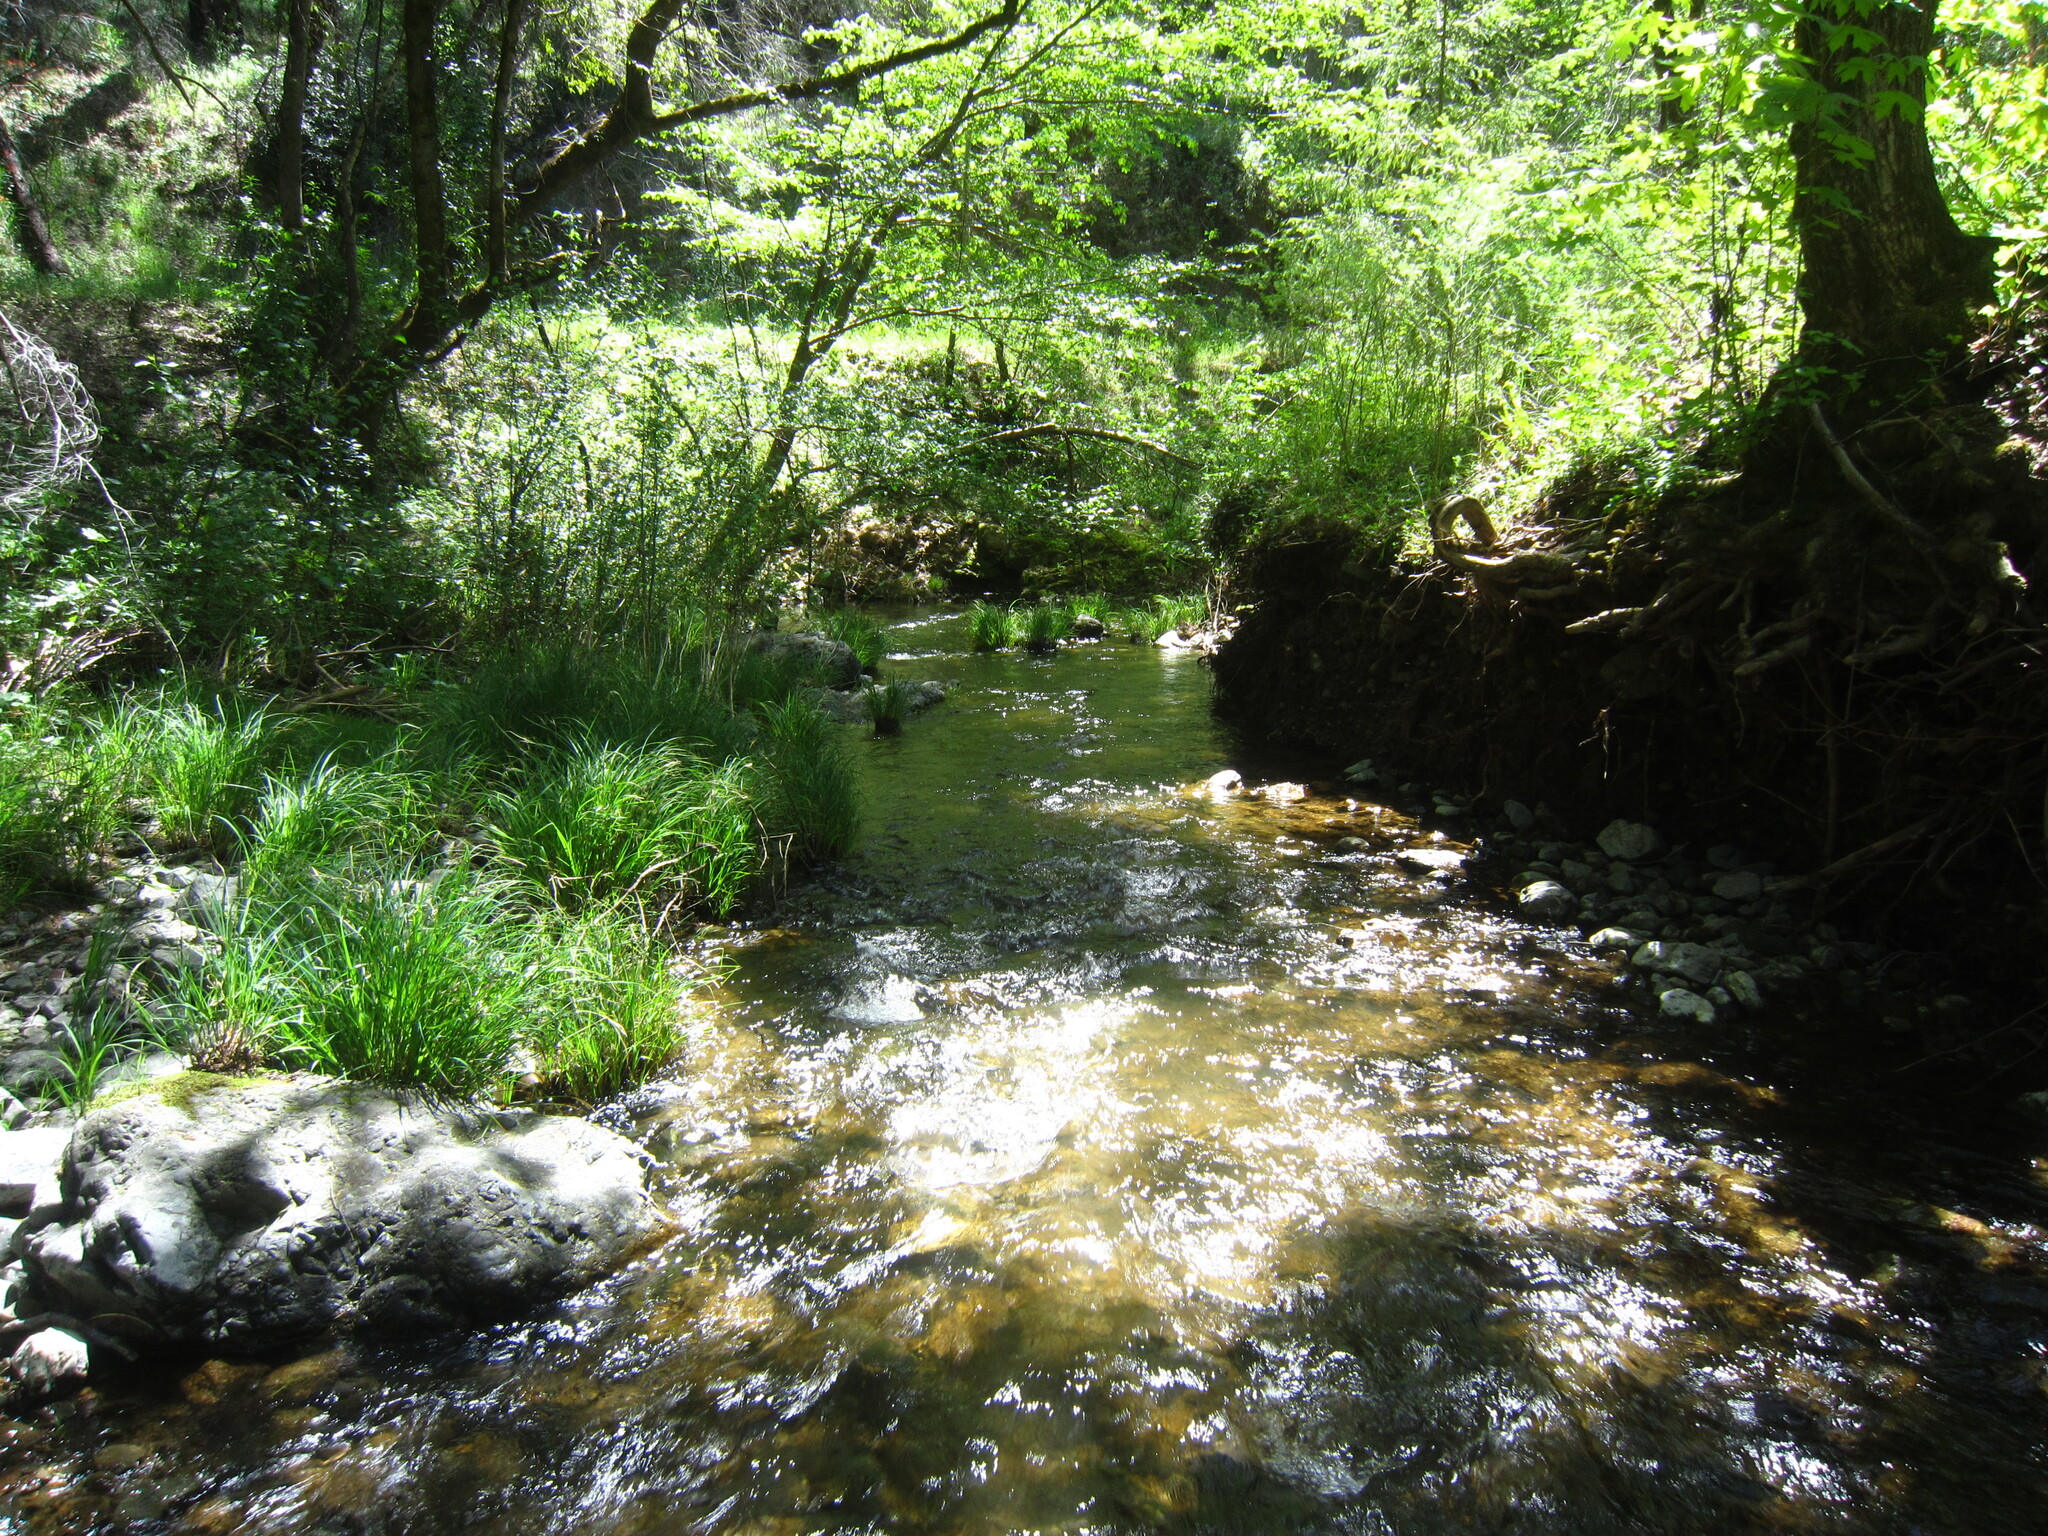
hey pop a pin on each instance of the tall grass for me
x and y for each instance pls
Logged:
(202, 767)
(612, 1013)
(810, 801)
(856, 632)
(991, 626)
(594, 824)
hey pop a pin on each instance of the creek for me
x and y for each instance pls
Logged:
(1090, 1152)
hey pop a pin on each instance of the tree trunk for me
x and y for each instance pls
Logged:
(291, 114)
(1889, 282)
(429, 321)
(42, 251)
(501, 105)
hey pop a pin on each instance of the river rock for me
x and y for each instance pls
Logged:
(1547, 901)
(1430, 861)
(248, 1214)
(1519, 816)
(1223, 781)
(1629, 840)
(29, 1160)
(1616, 938)
(1693, 962)
(1679, 1003)
(1087, 627)
(1741, 885)
(830, 661)
(46, 1363)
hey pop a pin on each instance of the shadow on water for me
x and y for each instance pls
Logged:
(1091, 1154)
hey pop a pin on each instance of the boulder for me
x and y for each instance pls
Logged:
(247, 1214)
(1615, 938)
(1691, 962)
(1087, 627)
(1519, 816)
(47, 1363)
(1678, 1003)
(28, 1161)
(1742, 885)
(1547, 901)
(1629, 840)
(1430, 861)
(829, 661)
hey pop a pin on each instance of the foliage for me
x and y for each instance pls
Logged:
(612, 1008)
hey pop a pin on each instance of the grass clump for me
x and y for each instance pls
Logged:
(810, 804)
(616, 1009)
(202, 766)
(1044, 626)
(594, 823)
(856, 632)
(992, 626)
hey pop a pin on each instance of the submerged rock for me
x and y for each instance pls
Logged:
(248, 1214)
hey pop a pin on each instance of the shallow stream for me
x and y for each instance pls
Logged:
(1091, 1153)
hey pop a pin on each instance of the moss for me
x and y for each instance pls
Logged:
(178, 1090)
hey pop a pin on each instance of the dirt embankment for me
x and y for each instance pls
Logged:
(1834, 659)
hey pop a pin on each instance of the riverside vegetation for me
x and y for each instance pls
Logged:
(417, 414)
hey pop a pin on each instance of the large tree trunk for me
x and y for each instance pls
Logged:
(1889, 283)
(430, 319)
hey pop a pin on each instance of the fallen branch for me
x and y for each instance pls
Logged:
(1791, 650)
(1889, 843)
(1093, 434)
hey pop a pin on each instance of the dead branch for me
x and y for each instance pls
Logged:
(1093, 434)
(1889, 843)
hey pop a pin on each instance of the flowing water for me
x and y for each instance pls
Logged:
(1092, 1153)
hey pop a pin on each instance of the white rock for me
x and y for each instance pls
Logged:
(1352, 845)
(28, 1160)
(1547, 901)
(47, 1363)
(1678, 1003)
(1615, 938)
(1223, 781)
(1742, 885)
(247, 1215)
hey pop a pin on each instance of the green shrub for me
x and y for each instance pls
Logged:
(1045, 626)
(404, 981)
(323, 812)
(596, 823)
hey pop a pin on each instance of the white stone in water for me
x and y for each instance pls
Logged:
(1678, 1003)
(1223, 781)
(1742, 885)
(1615, 938)
(46, 1363)
(1430, 861)
(1629, 840)
(1547, 901)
